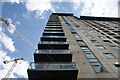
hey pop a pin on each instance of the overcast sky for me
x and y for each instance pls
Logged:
(30, 18)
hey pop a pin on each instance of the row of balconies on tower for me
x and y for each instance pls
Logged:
(53, 59)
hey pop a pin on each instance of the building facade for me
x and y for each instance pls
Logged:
(73, 48)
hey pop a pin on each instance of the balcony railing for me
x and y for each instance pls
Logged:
(52, 42)
(54, 36)
(53, 29)
(53, 45)
(53, 66)
(52, 55)
(52, 71)
(52, 51)
(52, 26)
(53, 32)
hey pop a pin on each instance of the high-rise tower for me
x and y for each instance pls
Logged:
(72, 48)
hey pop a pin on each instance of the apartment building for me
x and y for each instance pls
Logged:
(73, 48)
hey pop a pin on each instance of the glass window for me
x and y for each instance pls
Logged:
(89, 55)
(114, 47)
(77, 37)
(100, 47)
(84, 48)
(88, 52)
(101, 37)
(93, 61)
(85, 32)
(98, 68)
(81, 43)
(93, 41)
(109, 55)
(89, 36)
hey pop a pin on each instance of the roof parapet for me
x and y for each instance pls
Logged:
(99, 18)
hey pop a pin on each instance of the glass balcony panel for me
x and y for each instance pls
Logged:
(52, 32)
(52, 51)
(52, 42)
(52, 66)
(54, 36)
(68, 66)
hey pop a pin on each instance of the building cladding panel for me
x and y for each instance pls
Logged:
(91, 42)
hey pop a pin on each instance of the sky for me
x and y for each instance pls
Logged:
(29, 17)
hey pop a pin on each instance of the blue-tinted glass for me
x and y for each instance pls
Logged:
(89, 36)
(93, 41)
(109, 55)
(89, 55)
(115, 47)
(98, 68)
(101, 37)
(100, 47)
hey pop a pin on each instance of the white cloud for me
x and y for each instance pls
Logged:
(12, 1)
(40, 6)
(20, 69)
(103, 8)
(7, 42)
(11, 28)
(17, 23)
(26, 15)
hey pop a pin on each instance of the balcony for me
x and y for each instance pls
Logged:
(51, 24)
(52, 71)
(53, 45)
(53, 38)
(54, 33)
(117, 36)
(54, 27)
(52, 55)
(53, 30)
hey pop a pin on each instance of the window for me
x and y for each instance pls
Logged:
(81, 43)
(93, 41)
(89, 55)
(85, 32)
(96, 65)
(76, 37)
(109, 55)
(101, 37)
(106, 41)
(114, 47)
(84, 48)
(89, 36)
(100, 47)
(98, 68)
